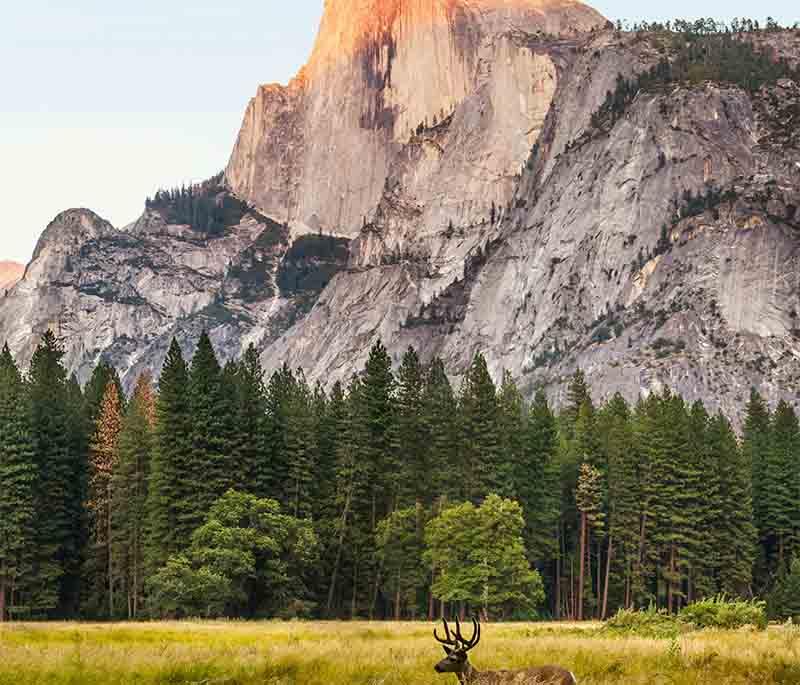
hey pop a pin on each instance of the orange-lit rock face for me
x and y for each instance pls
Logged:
(318, 152)
(10, 273)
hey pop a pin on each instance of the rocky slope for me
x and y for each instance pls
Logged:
(10, 273)
(443, 173)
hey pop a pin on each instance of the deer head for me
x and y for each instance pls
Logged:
(456, 648)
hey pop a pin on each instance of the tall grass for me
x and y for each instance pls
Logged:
(221, 653)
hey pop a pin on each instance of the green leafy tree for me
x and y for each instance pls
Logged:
(480, 557)
(248, 558)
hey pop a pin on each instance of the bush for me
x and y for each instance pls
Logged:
(651, 622)
(721, 612)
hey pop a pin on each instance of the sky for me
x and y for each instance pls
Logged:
(102, 103)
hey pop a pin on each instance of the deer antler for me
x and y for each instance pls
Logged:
(453, 642)
(476, 635)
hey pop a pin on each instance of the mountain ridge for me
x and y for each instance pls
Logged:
(580, 204)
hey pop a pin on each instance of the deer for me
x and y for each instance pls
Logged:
(457, 662)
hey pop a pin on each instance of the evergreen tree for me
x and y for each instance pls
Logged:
(780, 484)
(480, 441)
(511, 428)
(210, 470)
(60, 479)
(96, 388)
(410, 438)
(169, 495)
(440, 426)
(103, 457)
(250, 445)
(17, 494)
(129, 493)
(736, 540)
(755, 451)
(537, 480)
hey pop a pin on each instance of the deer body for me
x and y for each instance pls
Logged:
(457, 662)
(546, 675)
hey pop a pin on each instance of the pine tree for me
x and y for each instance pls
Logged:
(210, 470)
(103, 459)
(780, 483)
(168, 496)
(736, 540)
(17, 494)
(480, 441)
(624, 500)
(755, 450)
(96, 388)
(274, 465)
(440, 426)
(511, 430)
(60, 483)
(301, 447)
(129, 493)
(251, 447)
(410, 439)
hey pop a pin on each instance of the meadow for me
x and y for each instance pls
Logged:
(272, 653)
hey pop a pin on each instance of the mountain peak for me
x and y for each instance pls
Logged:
(72, 226)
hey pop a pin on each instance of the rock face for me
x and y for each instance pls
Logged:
(437, 176)
(379, 70)
(10, 273)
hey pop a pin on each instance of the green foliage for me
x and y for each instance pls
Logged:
(168, 498)
(479, 557)
(722, 613)
(695, 54)
(651, 622)
(247, 558)
(206, 207)
(17, 494)
(784, 600)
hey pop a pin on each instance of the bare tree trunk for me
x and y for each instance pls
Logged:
(109, 554)
(582, 567)
(670, 580)
(431, 605)
(572, 592)
(354, 601)
(559, 557)
(397, 609)
(604, 612)
(2, 595)
(335, 572)
(599, 576)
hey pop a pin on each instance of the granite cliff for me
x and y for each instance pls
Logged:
(10, 273)
(454, 175)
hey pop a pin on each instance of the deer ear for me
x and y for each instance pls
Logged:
(447, 650)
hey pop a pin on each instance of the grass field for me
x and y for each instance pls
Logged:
(377, 654)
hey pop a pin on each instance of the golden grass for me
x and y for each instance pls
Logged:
(232, 653)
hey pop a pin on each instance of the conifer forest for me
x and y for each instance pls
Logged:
(225, 491)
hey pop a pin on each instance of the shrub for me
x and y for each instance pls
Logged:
(721, 612)
(651, 622)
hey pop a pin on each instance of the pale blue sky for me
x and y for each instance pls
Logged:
(103, 102)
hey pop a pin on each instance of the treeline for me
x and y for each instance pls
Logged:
(698, 51)
(225, 493)
(207, 207)
(706, 26)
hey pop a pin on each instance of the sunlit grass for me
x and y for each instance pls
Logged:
(270, 653)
